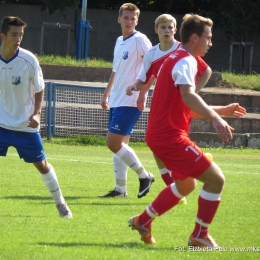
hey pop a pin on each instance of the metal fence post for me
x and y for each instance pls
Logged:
(48, 110)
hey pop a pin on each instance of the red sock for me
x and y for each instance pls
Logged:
(164, 202)
(206, 212)
(167, 178)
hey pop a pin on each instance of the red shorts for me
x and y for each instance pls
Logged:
(180, 155)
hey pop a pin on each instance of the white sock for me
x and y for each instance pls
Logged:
(164, 171)
(52, 185)
(129, 157)
(120, 171)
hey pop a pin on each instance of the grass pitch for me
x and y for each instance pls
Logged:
(30, 227)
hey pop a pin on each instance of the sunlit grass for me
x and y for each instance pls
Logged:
(30, 227)
(242, 81)
(71, 61)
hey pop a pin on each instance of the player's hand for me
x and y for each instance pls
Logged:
(34, 121)
(141, 101)
(223, 129)
(234, 110)
(104, 103)
(130, 89)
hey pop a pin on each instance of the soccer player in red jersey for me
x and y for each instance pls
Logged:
(165, 27)
(174, 103)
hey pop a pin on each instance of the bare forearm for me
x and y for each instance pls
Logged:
(220, 110)
(38, 102)
(196, 104)
(203, 79)
(110, 84)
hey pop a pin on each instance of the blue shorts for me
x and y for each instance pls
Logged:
(123, 119)
(28, 145)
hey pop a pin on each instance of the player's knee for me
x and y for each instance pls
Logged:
(43, 166)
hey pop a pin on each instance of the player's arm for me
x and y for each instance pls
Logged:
(203, 79)
(231, 110)
(34, 119)
(104, 101)
(143, 93)
(192, 100)
(143, 88)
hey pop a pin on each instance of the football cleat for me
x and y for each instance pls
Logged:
(145, 233)
(145, 184)
(64, 210)
(206, 241)
(114, 194)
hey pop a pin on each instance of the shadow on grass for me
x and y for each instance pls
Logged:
(38, 198)
(103, 202)
(109, 245)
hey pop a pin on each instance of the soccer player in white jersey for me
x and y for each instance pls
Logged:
(21, 96)
(165, 27)
(128, 55)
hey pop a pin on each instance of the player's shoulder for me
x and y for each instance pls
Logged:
(140, 35)
(26, 54)
(153, 48)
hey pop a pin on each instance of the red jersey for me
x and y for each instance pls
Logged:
(154, 58)
(168, 114)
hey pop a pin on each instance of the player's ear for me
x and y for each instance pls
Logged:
(156, 29)
(194, 37)
(2, 36)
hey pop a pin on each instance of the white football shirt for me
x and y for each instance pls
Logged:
(128, 57)
(20, 78)
(153, 60)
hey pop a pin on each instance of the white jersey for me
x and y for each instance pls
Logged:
(128, 58)
(20, 78)
(153, 60)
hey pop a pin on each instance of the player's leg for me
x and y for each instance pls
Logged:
(120, 168)
(49, 177)
(122, 123)
(120, 173)
(166, 175)
(208, 203)
(29, 147)
(167, 198)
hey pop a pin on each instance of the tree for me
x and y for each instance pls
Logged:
(236, 17)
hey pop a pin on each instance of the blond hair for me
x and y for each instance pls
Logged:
(193, 23)
(129, 7)
(165, 18)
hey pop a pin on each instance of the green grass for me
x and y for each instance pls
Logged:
(30, 227)
(242, 81)
(71, 61)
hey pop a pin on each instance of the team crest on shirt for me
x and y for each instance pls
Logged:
(174, 55)
(16, 80)
(125, 55)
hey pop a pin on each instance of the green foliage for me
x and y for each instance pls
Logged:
(236, 17)
(30, 227)
(53, 5)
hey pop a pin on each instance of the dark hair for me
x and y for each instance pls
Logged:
(193, 23)
(11, 21)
